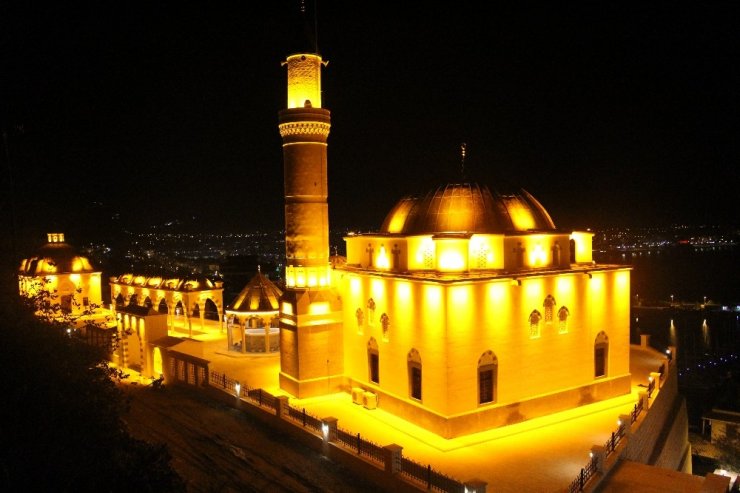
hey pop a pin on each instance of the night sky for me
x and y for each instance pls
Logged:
(610, 113)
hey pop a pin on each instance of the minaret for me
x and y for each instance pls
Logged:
(310, 311)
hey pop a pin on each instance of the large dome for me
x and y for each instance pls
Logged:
(467, 208)
(55, 257)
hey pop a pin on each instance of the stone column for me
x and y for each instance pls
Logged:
(281, 405)
(599, 453)
(392, 456)
(328, 433)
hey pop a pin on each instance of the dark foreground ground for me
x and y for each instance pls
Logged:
(219, 449)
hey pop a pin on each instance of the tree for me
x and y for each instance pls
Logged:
(60, 423)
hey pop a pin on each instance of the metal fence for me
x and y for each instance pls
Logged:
(586, 473)
(431, 479)
(304, 418)
(361, 446)
(410, 470)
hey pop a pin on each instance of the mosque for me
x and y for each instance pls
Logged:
(467, 310)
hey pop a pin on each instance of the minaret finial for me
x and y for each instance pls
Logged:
(463, 149)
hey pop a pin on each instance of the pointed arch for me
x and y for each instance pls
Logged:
(601, 355)
(414, 370)
(487, 377)
(534, 324)
(549, 306)
(563, 314)
(163, 308)
(210, 310)
(373, 361)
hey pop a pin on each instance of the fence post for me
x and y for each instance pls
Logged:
(392, 458)
(328, 432)
(304, 417)
(598, 452)
(475, 486)
(645, 400)
(429, 476)
(625, 421)
(358, 443)
(281, 406)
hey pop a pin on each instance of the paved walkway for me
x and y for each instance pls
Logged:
(540, 455)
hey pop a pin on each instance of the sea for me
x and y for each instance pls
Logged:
(689, 298)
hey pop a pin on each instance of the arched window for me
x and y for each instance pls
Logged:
(148, 302)
(373, 361)
(487, 377)
(534, 324)
(563, 314)
(549, 306)
(119, 300)
(133, 300)
(385, 322)
(601, 355)
(196, 310)
(360, 316)
(556, 254)
(179, 309)
(163, 306)
(414, 368)
(275, 321)
(370, 312)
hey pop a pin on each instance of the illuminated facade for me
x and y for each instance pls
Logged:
(191, 298)
(57, 267)
(468, 310)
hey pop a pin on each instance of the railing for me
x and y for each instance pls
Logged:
(221, 380)
(616, 437)
(262, 398)
(423, 475)
(361, 445)
(431, 479)
(306, 419)
(586, 473)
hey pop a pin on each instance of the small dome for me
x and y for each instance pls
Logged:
(259, 295)
(466, 208)
(55, 257)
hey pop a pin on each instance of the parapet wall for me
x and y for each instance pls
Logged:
(662, 437)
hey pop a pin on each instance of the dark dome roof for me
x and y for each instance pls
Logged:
(55, 257)
(259, 295)
(466, 208)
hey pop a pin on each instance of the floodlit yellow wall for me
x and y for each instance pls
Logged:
(584, 246)
(451, 254)
(486, 252)
(452, 325)
(304, 80)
